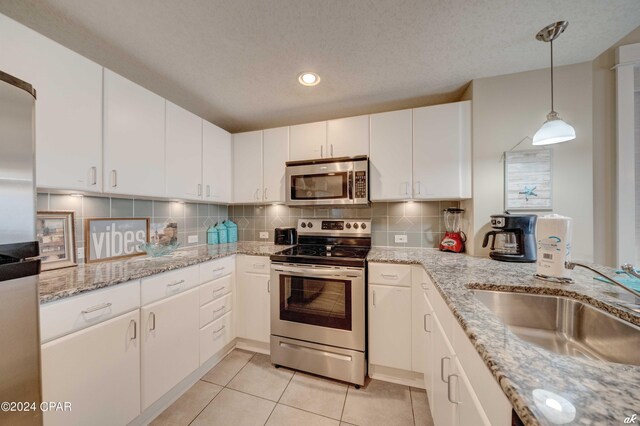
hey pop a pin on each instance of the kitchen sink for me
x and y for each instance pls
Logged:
(565, 326)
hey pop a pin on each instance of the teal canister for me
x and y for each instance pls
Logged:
(222, 233)
(232, 231)
(212, 235)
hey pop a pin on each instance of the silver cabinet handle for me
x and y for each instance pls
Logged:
(97, 308)
(321, 151)
(93, 176)
(390, 276)
(175, 283)
(257, 192)
(218, 330)
(219, 309)
(265, 194)
(332, 150)
(268, 286)
(208, 190)
(374, 298)
(424, 322)
(152, 321)
(258, 265)
(114, 178)
(199, 190)
(449, 388)
(418, 187)
(219, 269)
(424, 286)
(135, 329)
(218, 289)
(406, 188)
(442, 369)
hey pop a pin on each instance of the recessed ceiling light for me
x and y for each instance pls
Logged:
(308, 78)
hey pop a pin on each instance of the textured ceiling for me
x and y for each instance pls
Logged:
(235, 62)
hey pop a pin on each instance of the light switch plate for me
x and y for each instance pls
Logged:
(264, 235)
(192, 239)
(401, 238)
(80, 254)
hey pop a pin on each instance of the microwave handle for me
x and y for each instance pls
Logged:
(350, 193)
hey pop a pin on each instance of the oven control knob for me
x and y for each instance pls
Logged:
(304, 225)
(348, 225)
(355, 226)
(309, 225)
(363, 225)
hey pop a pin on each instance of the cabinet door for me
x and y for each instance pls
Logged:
(442, 151)
(468, 410)
(247, 167)
(308, 141)
(348, 137)
(391, 155)
(420, 323)
(443, 364)
(134, 131)
(183, 165)
(68, 117)
(170, 343)
(276, 153)
(216, 163)
(97, 370)
(390, 326)
(253, 306)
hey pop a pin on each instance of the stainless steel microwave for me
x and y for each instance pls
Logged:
(328, 182)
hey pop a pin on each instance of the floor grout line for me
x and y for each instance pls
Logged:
(413, 416)
(344, 403)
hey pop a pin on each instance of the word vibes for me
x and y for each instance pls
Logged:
(113, 242)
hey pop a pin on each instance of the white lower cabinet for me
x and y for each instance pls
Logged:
(253, 297)
(442, 366)
(170, 343)
(215, 336)
(97, 370)
(390, 326)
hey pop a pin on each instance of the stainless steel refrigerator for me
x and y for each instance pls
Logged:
(19, 266)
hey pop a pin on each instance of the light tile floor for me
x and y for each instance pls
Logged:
(246, 389)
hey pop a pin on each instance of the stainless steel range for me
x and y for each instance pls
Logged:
(318, 306)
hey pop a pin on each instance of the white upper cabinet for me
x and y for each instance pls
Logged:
(247, 167)
(391, 155)
(183, 166)
(68, 118)
(308, 141)
(216, 163)
(134, 138)
(276, 153)
(348, 137)
(442, 151)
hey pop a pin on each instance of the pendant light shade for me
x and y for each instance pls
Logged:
(554, 130)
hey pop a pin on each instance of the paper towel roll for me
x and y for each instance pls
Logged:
(553, 236)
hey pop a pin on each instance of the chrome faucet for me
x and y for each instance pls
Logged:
(626, 267)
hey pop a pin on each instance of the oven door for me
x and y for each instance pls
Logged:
(319, 304)
(320, 184)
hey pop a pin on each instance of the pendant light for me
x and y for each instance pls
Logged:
(554, 130)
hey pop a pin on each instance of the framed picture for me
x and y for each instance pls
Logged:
(528, 180)
(114, 238)
(56, 235)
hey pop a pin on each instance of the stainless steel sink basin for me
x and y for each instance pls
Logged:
(565, 326)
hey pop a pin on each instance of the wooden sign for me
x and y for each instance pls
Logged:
(114, 238)
(528, 180)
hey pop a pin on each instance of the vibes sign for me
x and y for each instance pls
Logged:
(106, 239)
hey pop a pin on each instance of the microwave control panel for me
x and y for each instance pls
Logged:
(360, 184)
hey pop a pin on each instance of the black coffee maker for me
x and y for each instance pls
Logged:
(513, 237)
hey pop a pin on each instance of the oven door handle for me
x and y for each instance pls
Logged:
(314, 273)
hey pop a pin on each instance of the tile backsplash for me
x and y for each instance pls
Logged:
(421, 222)
(192, 218)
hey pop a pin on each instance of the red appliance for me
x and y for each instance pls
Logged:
(454, 238)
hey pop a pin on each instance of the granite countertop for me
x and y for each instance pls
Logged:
(67, 282)
(600, 392)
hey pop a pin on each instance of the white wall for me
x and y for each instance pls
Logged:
(510, 107)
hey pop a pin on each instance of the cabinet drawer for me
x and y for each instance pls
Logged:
(214, 310)
(215, 289)
(215, 336)
(78, 312)
(390, 274)
(168, 283)
(254, 264)
(215, 269)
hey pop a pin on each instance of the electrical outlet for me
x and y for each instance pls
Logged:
(80, 254)
(264, 235)
(401, 238)
(192, 239)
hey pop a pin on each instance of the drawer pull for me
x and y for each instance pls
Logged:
(219, 309)
(218, 289)
(425, 322)
(390, 276)
(218, 330)
(424, 286)
(449, 388)
(218, 269)
(135, 330)
(258, 265)
(152, 321)
(97, 308)
(269, 286)
(173, 284)
(442, 369)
